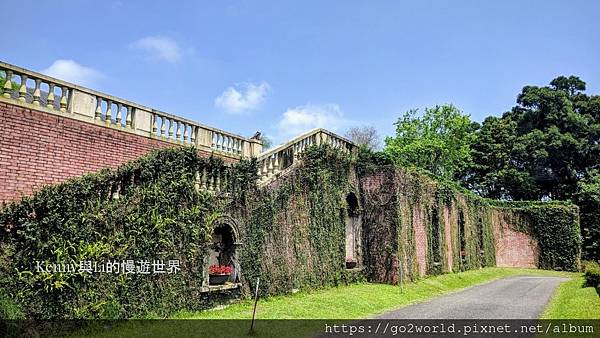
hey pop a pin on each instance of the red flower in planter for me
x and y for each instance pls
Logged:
(220, 270)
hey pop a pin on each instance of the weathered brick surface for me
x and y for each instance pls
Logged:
(420, 239)
(513, 248)
(448, 237)
(38, 149)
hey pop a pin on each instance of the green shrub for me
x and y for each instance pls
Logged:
(592, 275)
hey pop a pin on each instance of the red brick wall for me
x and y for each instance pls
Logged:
(420, 239)
(513, 248)
(38, 149)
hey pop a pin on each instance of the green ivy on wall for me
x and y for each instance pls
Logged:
(148, 209)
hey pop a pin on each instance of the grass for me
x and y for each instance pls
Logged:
(573, 301)
(312, 309)
(358, 300)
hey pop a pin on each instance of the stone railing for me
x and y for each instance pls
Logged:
(273, 161)
(37, 91)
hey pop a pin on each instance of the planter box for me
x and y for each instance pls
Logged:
(217, 279)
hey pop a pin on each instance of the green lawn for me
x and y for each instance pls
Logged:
(358, 300)
(573, 301)
(345, 302)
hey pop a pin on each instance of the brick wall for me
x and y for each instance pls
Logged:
(513, 248)
(380, 228)
(420, 239)
(38, 148)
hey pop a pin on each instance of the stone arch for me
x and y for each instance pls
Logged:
(224, 248)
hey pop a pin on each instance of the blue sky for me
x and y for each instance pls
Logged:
(283, 67)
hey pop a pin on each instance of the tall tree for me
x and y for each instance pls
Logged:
(546, 147)
(366, 136)
(542, 147)
(438, 141)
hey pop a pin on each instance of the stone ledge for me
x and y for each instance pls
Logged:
(220, 288)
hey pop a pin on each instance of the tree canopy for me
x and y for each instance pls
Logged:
(438, 141)
(541, 148)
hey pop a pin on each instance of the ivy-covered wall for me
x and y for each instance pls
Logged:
(417, 225)
(291, 233)
(149, 209)
(295, 231)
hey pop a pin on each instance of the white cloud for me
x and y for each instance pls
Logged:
(298, 120)
(159, 48)
(243, 98)
(71, 71)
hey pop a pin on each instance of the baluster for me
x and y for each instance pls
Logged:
(108, 115)
(295, 152)
(211, 181)
(37, 92)
(193, 136)
(197, 181)
(178, 131)
(270, 168)
(7, 89)
(23, 88)
(171, 121)
(50, 98)
(118, 117)
(129, 117)
(64, 92)
(98, 113)
(277, 162)
(185, 133)
(265, 168)
(154, 124)
(225, 181)
(212, 139)
(223, 143)
(217, 142)
(163, 126)
(204, 178)
(218, 181)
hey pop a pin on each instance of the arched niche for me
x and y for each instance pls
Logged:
(224, 248)
(353, 231)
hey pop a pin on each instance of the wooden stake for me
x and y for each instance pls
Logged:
(255, 303)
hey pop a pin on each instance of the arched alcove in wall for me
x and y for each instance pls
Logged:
(224, 249)
(353, 230)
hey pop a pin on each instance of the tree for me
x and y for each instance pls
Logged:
(439, 141)
(266, 143)
(492, 172)
(366, 136)
(546, 147)
(542, 147)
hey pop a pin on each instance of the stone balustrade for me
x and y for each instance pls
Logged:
(273, 161)
(41, 92)
(37, 91)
